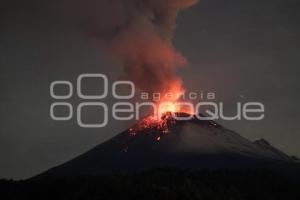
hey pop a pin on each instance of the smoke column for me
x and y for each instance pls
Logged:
(138, 33)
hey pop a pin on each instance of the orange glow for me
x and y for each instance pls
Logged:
(162, 121)
(163, 115)
(173, 107)
(166, 107)
(153, 123)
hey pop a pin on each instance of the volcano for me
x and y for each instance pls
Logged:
(189, 144)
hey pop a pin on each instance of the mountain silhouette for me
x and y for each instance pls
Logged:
(189, 144)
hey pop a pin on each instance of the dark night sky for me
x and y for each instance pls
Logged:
(246, 48)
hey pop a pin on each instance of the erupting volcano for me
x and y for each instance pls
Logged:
(169, 143)
(138, 34)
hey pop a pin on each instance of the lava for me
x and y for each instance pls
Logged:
(160, 125)
(153, 123)
(161, 120)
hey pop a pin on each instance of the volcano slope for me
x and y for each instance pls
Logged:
(185, 145)
(171, 159)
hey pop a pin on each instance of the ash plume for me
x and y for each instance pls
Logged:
(138, 34)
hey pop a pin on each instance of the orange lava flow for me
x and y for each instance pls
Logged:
(162, 117)
(151, 123)
(162, 121)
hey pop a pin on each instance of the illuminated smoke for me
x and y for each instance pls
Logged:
(138, 33)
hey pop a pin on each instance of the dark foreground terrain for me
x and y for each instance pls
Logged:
(158, 184)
